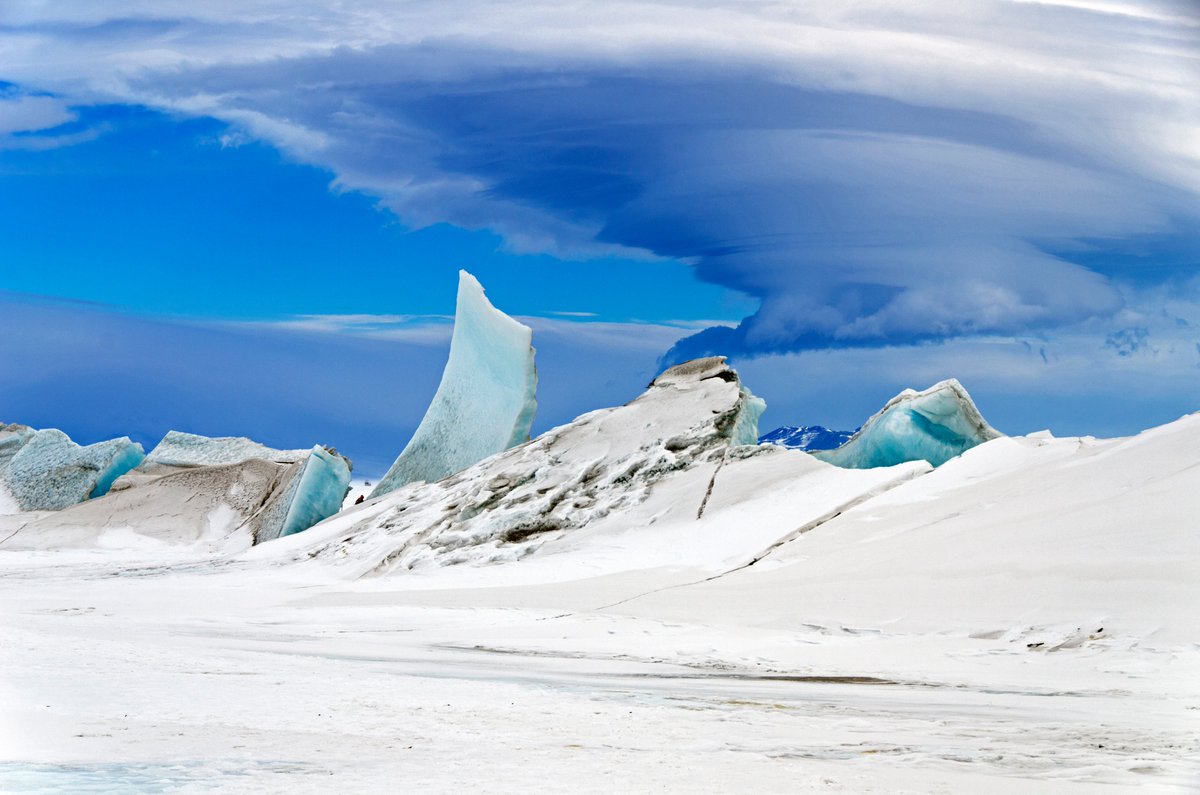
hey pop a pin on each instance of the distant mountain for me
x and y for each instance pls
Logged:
(808, 437)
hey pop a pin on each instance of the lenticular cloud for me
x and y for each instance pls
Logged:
(873, 176)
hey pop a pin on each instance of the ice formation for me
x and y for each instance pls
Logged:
(189, 449)
(808, 437)
(225, 491)
(690, 421)
(485, 401)
(46, 471)
(313, 492)
(308, 487)
(934, 425)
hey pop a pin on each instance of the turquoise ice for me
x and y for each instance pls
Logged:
(46, 471)
(485, 401)
(309, 488)
(935, 426)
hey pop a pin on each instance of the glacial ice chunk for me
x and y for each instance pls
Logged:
(934, 425)
(250, 496)
(312, 493)
(485, 401)
(46, 471)
(189, 449)
(308, 488)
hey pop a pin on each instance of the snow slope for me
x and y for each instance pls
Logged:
(638, 602)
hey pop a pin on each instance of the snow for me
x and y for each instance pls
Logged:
(806, 437)
(934, 425)
(45, 470)
(485, 402)
(700, 616)
(511, 504)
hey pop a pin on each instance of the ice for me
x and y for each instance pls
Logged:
(221, 493)
(189, 449)
(485, 402)
(935, 426)
(46, 471)
(314, 493)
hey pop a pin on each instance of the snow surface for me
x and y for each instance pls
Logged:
(806, 437)
(719, 618)
(44, 470)
(934, 425)
(485, 402)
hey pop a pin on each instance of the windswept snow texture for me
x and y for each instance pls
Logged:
(807, 438)
(189, 449)
(46, 471)
(690, 419)
(485, 402)
(935, 426)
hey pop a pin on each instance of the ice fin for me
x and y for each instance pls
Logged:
(485, 401)
(935, 426)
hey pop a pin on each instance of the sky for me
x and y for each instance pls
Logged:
(246, 218)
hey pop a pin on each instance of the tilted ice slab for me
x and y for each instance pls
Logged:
(485, 401)
(663, 459)
(246, 494)
(312, 493)
(309, 485)
(46, 471)
(934, 425)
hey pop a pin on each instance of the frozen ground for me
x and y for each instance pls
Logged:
(1022, 619)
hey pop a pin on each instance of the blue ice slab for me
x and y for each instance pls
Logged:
(46, 471)
(935, 426)
(321, 488)
(485, 401)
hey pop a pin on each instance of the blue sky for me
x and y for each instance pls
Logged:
(259, 209)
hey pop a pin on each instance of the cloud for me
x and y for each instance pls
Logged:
(873, 174)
